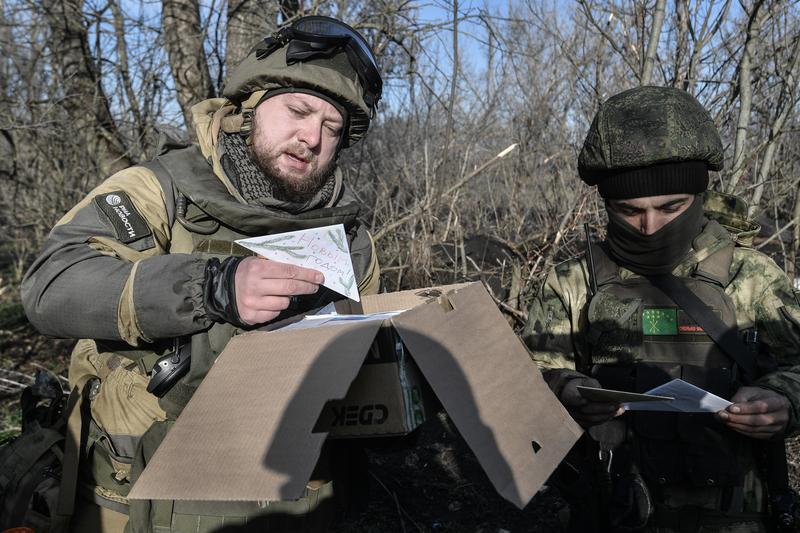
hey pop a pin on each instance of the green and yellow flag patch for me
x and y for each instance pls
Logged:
(660, 321)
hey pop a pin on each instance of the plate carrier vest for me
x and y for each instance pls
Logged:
(639, 339)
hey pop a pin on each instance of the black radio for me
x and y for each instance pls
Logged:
(170, 368)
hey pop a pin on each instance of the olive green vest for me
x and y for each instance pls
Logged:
(222, 220)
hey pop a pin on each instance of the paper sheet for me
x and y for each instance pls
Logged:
(594, 394)
(331, 319)
(688, 399)
(324, 249)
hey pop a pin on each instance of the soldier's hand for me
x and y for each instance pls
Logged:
(264, 288)
(756, 412)
(584, 412)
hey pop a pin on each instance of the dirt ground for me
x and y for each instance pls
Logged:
(439, 486)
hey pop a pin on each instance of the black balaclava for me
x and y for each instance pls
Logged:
(659, 253)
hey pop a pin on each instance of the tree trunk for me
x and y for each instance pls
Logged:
(249, 21)
(745, 97)
(124, 72)
(679, 76)
(652, 45)
(791, 263)
(183, 39)
(786, 105)
(84, 99)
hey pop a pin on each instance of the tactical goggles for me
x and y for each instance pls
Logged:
(318, 36)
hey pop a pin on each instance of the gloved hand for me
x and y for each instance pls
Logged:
(219, 291)
(584, 412)
(253, 290)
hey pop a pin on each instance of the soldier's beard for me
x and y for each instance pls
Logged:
(287, 186)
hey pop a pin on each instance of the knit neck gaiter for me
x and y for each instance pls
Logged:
(660, 252)
(256, 187)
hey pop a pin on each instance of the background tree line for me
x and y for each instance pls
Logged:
(469, 171)
(86, 87)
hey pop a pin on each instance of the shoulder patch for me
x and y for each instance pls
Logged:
(128, 224)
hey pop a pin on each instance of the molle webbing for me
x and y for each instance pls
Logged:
(688, 519)
(725, 337)
(632, 321)
(222, 247)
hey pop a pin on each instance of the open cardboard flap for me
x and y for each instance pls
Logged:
(491, 389)
(247, 434)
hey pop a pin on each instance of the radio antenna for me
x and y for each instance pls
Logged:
(590, 257)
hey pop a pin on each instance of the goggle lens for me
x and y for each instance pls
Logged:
(324, 26)
(322, 30)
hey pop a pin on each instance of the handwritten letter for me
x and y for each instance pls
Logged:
(324, 249)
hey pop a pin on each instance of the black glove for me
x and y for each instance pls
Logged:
(219, 291)
(585, 412)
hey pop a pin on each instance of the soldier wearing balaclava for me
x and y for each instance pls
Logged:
(611, 319)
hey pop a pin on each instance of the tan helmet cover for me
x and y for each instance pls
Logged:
(334, 77)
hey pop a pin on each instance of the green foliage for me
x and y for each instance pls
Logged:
(12, 314)
(10, 419)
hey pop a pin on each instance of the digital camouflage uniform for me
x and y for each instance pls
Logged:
(572, 334)
(130, 286)
(763, 296)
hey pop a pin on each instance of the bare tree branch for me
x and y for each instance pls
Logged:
(745, 90)
(652, 45)
(82, 87)
(787, 103)
(249, 21)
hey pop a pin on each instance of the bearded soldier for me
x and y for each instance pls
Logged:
(671, 293)
(145, 266)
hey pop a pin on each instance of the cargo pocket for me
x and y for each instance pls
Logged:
(709, 451)
(110, 468)
(122, 410)
(146, 516)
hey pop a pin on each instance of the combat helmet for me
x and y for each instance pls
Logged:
(316, 55)
(650, 141)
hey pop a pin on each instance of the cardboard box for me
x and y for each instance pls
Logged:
(389, 396)
(249, 431)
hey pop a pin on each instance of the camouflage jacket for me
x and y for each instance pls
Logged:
(760, 291)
